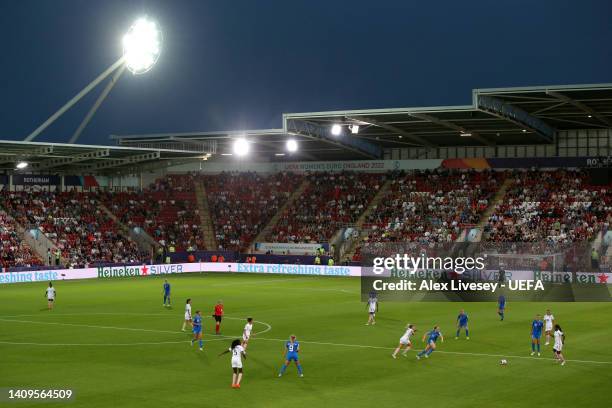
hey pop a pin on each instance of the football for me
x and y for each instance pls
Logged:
(503, 361)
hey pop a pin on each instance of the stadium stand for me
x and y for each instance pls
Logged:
(14, 251)
(428, 206)
(559, 206)
(331, 201)
(166, 211)
(241, 204)
(431, 205)
(424, 207)
(73, 221)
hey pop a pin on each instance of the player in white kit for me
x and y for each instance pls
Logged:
(405, 341)
(50, 295)
(247, 333)
(559, 341)
(372, 307)
(187, 314)
(549, 321)
(238, 353)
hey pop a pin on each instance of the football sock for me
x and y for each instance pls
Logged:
(532, 346)
(538, 347)
(283, 369)
(299, 367)
(467, 333)
(200, 343)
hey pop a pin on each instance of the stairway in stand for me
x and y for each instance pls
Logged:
(497, 199)
(272, 223)
(208, 230)
(144, 241)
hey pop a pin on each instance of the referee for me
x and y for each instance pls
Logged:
(218, 315)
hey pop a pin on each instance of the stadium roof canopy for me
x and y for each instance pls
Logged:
(89, 159)
(499, 116)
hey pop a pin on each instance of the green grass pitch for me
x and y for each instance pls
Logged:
(116, 346)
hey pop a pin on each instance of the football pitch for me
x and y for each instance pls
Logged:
(114, 344)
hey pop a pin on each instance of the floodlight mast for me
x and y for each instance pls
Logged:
(141, 49)
(97, 104)
(75, 99)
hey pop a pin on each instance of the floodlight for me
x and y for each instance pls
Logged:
(336, 130)
(241, 147)
(22, 165)
(355, 129)
(292, 145)
(141, 46)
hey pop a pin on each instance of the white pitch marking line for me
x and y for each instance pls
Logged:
(437, 351)
(104, 344)
(269, 327)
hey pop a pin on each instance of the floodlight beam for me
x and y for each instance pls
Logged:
(74, 100)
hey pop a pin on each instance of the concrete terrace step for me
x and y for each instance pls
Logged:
(206, 224)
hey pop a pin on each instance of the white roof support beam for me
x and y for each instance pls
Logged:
(62, 161)
(107, 164)
(587, 110)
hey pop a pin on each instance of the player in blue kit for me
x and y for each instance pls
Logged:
(431, 336)
(501, 306)
(462, 323)
(292, 348)
(197, 329)
(166, 293)
(536, 334)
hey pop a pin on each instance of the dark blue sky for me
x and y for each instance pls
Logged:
(240, 64)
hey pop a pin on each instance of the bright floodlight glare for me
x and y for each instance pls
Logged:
(141, 46)
(292, 145)
(355, 129)
(336, 130)
(22, 165)
(241, 147)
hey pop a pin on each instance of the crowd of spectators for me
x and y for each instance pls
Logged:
(331, 201)
(242, 204)
(554, 206)
(431, 206)
(77, 226)
(166, 210)
(13, 250)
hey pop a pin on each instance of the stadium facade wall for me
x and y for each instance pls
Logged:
(380, 166)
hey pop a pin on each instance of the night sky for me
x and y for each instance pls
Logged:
(229, 65)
